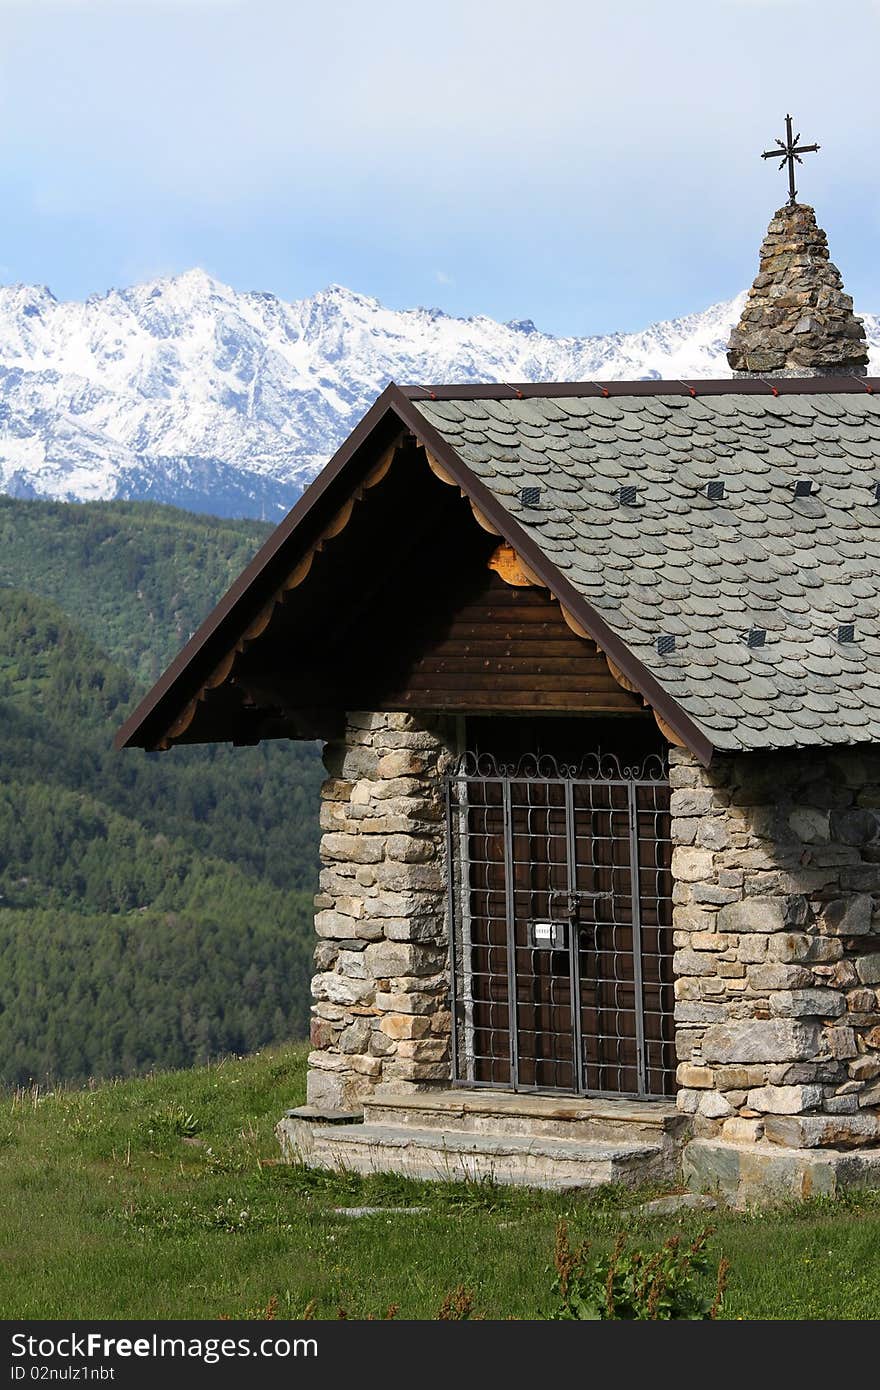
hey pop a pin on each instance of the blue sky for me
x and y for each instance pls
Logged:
(589, 165)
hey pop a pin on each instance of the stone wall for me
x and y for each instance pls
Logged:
(381, 988)
(776, 864)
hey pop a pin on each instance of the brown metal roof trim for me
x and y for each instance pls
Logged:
(395, 407)
(725, 386)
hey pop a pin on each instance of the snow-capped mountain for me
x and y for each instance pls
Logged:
(183, 390)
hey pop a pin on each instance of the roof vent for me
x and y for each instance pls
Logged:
(756, 636)
(877, 492)
(715, 489)
(803, 487)
(665, 644)
(530, 496)
(628, 496)
(846, 632)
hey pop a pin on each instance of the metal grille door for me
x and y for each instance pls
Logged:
(560, 901)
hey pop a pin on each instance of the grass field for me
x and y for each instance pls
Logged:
(152, 1199)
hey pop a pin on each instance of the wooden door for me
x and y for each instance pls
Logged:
(560, 899)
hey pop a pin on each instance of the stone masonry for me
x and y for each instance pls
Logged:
(776, 886)
(776, 867)
(797, 320)
(381, 988)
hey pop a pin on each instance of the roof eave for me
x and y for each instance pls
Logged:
(173, 688)
(223, 626)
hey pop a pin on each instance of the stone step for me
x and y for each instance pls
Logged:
(575, 1118)
(456, 1155)
(764, 1174)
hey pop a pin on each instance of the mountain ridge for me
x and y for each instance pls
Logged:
(185, 391)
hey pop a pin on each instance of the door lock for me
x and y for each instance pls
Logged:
(572, 902)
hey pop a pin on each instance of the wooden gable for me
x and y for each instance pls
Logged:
(504, 649)
(417, 606)
(407, 598)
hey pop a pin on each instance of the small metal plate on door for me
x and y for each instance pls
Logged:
(548, 936)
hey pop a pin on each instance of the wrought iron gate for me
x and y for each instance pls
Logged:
(561, 911)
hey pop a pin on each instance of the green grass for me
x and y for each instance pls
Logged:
(152, 1198)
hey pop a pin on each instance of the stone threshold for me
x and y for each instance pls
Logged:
(584, 1118)
(479, 1101)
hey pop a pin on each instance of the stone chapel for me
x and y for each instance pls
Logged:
(596, 668)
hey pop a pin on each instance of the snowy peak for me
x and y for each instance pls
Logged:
(187, 391)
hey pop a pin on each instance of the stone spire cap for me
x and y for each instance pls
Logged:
(797, 320)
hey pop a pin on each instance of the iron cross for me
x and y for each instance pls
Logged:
(787, 153)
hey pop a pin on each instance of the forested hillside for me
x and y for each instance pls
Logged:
(154, 908)
(137, 578)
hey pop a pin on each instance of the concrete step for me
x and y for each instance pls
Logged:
(452, 1154)
(575, 1118)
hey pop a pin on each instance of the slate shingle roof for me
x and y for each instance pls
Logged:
(708, 571)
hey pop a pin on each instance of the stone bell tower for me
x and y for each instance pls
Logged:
(797, 319)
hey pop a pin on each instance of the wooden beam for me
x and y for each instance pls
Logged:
(535, 647)
(533, 662)
(512, 569)
(668, 732)
(515, 701)
(482, 520)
